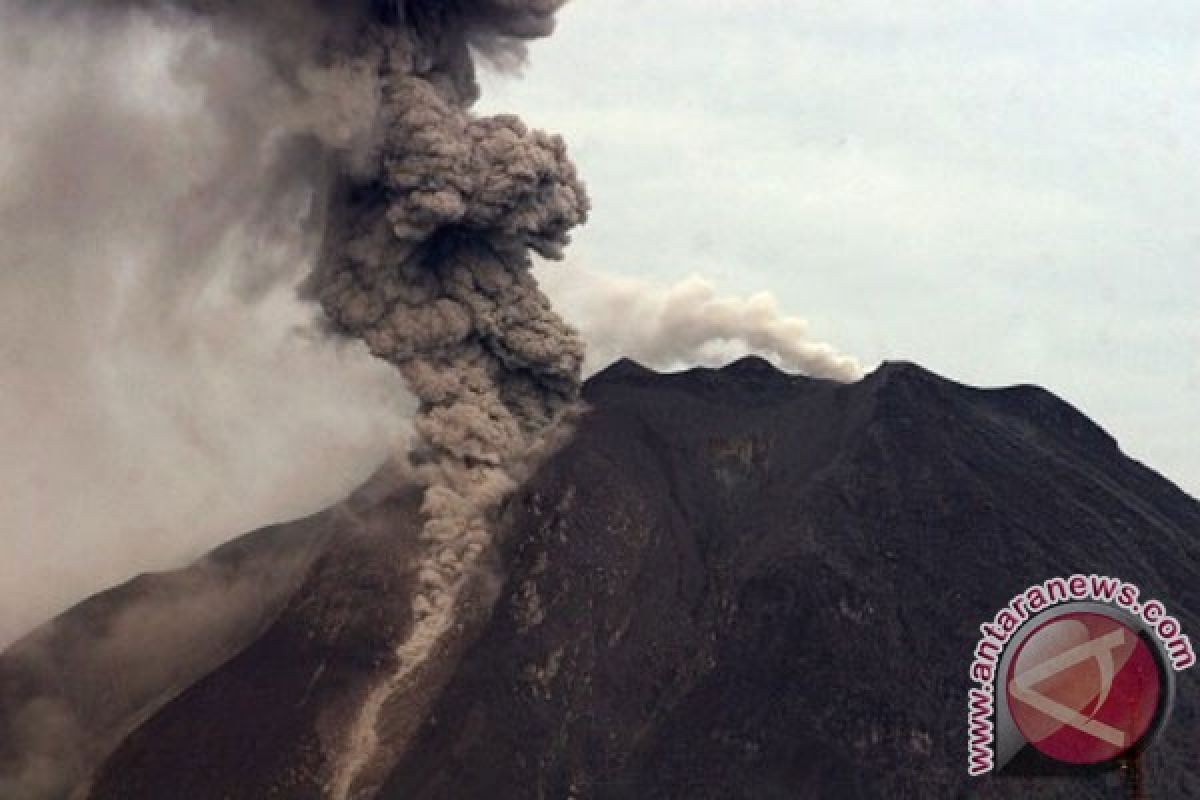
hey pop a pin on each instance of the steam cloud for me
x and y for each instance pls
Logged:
(688, 322)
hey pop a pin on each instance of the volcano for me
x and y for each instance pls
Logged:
(729, 583)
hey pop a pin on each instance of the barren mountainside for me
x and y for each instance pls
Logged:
(730, 583)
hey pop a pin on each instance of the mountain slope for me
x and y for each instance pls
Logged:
(731, 583)
(72, 688)
(739, 584)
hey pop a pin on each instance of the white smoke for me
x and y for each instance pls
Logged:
(686, 323)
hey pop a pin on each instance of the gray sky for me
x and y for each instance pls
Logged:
(1004, 192)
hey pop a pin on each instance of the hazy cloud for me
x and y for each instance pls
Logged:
(148, 412)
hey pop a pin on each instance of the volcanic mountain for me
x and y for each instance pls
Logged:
(729, 583)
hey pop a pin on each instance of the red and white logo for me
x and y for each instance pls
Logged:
(1084, 688)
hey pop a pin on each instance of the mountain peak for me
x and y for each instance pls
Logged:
(751, 365)
(623, 370)
(902, 371)
(748, 372)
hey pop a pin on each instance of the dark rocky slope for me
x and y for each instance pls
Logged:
(70, 690)
(730, 584)
(266, 723)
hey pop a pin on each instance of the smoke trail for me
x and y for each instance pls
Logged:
(687, 323)
(428, 262)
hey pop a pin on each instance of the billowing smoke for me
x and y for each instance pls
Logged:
(428, 262)
(355, 118)
(686, 323)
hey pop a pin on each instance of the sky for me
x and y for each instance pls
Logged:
(1004, 192)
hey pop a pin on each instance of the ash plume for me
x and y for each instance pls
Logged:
(429, 214)
(428, 262)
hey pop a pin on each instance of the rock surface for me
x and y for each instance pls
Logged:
(740, 584)
(731, 583)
